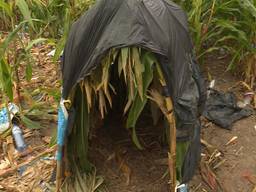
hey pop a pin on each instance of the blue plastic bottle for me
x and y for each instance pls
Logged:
(18, 138)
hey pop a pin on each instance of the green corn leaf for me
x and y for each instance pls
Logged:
(77, 144)
(224, 39)
(249, 6)
(62, 41)
(53, 140)
(6, 7)
(24, 9)
(29, 123)
(148, 59)
(34, 42)
(211, 49)
(181, 150)
(135, 139)
(6, 79)
(138, 70)
(139, 103)
(135, 111)
(28, 72)
(232, 62)
(232, 27)
(11, 36)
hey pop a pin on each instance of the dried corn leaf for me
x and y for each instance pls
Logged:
(102, 103)
(120, 66)
(159, 100)
(107, 94)
(125, 60)
(127, 106)
(88, 92)
(105, 72)
(138, 70)
(130, 85)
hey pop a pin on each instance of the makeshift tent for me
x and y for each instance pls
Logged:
(155, 27)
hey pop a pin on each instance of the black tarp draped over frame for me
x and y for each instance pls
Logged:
(159, 26)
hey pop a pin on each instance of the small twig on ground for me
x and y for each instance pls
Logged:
(220, 163)
(239, 150)
(233, 139)
(6, 172)
(209, 147)
(241, 83)
(221, 186)
(197, 187)
(233, 166)
(28, 151)
(204, 142)
(208, 176)
(32, 186)
(214, 156)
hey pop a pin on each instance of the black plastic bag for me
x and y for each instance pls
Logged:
(221, 108)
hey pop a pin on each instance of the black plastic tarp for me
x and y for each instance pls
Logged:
(221, 108)
(159, 26)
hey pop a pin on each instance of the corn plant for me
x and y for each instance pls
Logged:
(228, 25)
(24, 22)
(14, 51)
(84, 183)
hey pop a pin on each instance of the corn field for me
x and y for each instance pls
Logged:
(226, 26)
(218, 27)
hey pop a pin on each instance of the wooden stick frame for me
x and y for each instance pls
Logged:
(172, 152)
(172, 133)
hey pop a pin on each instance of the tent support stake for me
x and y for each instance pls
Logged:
(172, 141)
(59, 173)
(172, 126)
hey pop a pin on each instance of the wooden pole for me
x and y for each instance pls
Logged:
(172, 139)
(58, 176)
(59, 170)
(172, 144)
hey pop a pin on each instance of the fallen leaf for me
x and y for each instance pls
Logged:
(4, 164)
